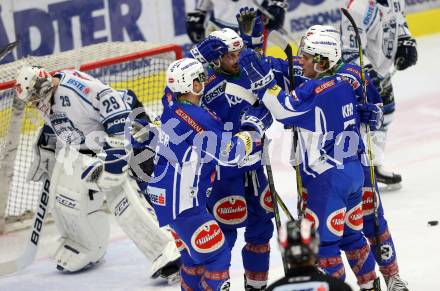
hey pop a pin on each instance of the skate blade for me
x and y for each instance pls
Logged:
(389, 187)
(173, 278)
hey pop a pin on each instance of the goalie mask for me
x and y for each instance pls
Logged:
(34, 86)
(182, 73)
(298, 241)
(321, 46)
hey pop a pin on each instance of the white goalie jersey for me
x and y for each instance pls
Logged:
(380, 26)
(84, 110)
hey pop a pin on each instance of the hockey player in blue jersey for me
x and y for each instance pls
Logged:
(193, 148)
(325, 112)
(242, 200)
(384, 251)
(227, 90)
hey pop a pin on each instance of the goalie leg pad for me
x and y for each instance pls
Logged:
(83, 225)
(78, 214)
(137, 219)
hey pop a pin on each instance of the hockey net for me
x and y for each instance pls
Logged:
(138, 66)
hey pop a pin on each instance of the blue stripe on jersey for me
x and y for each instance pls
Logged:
(81, 96)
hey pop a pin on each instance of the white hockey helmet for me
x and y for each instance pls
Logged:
(324, 29)
(321, 45)
(34, 85)
(182, 73)
(230, 38)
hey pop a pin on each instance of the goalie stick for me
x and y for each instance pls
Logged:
(30, 251)
(277, 39)
(369, 150)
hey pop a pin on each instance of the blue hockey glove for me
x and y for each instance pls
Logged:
(370, 114)
(258, 70)
(256, 118)
(251, 27)
(277, 10)
(209, 50)
(406, 54)
(195, 25)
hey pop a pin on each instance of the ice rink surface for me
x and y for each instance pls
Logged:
(413, 150)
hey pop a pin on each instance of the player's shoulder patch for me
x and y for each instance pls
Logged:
(354, 70)
(325, 86)
(370, 13)
(211, 77)
(188, 120)
(71, 82)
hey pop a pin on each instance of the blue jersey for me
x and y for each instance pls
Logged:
(324, 112)
(224, 93)
(190, 144)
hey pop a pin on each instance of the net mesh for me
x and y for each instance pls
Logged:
(143, 73)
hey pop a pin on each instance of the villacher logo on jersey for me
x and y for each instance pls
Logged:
(354, 217)
(336, 222)
(231, 210)
(208, 237)
(367, 201)
(266, 200)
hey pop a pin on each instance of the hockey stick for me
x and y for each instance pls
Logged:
(31, 247)
(273, 193)
(370, 154)
(276, 38)
(7, 48)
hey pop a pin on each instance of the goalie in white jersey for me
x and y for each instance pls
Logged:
(387, 42)
(81, 147)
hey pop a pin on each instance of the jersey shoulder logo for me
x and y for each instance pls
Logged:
(77, 86)
(189, 120)
(325, 86)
